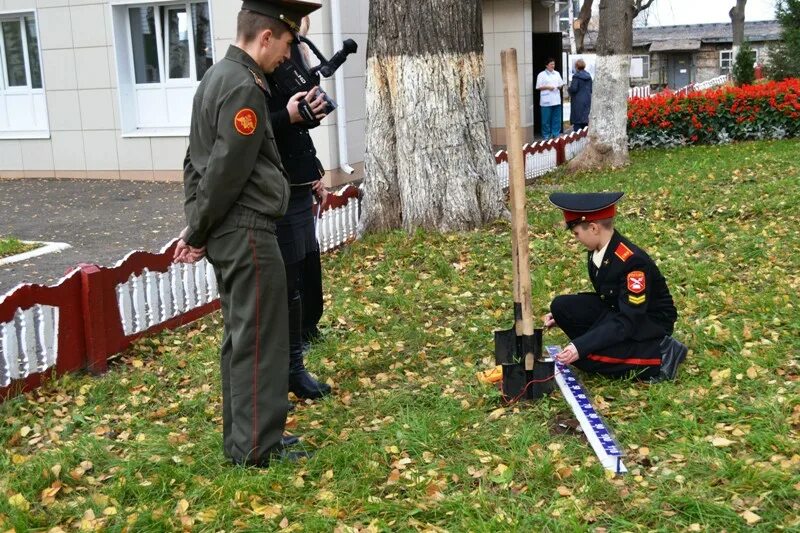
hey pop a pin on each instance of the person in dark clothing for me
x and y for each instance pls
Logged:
(625, 326)
(295, 231)
(580, 93)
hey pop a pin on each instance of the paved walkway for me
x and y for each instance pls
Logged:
(101, 220)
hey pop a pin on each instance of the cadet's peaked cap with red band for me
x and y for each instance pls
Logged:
(586, 207)
(290, 12)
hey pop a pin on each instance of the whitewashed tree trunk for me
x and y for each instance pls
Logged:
(608, 119)
(429, 160)
(573, 49)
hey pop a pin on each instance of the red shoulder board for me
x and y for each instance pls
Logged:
(245, 121)
(623, 252)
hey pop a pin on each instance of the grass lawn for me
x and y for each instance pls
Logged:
(412, 441)
(13, 246)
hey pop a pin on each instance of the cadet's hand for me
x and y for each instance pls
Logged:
(568, 355)
(320, 192)
(548, 320)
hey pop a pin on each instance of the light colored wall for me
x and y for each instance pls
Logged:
(80, 81)
(508, 24)
(355, 19)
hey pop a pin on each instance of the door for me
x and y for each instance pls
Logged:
(680, 71)
(545, 45)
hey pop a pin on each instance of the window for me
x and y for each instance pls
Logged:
(562, 14)
(23, 111)
(640, 67)
(163, 51)
(726, 60)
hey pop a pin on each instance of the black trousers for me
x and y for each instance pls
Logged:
(576, 314)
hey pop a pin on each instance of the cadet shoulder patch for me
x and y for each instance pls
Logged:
(245, 121)
(623, 252)
(636, 282)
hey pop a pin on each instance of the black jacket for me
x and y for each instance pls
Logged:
(293, 140)
(636, 294)
(580, 93)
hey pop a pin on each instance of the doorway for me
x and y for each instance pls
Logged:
(680, 70)
(545, 45)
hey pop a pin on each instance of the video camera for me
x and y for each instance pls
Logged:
(293, 76)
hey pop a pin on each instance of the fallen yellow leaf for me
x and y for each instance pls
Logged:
(750, 517)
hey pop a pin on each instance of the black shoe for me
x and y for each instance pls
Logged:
(672, 355)
(304, 386)
(280, 453)
(289, 440)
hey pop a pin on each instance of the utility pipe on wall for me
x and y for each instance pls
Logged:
(341, 110)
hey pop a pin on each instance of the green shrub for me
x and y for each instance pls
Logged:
(743, 73)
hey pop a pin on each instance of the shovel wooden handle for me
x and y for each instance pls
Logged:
(519, 220)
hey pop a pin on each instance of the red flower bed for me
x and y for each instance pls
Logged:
(767, 110)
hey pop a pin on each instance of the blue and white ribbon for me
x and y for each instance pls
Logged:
(594, 426)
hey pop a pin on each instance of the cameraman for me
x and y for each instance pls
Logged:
(295, 231)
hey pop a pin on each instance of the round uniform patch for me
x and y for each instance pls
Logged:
(245, 121)
(636, 281)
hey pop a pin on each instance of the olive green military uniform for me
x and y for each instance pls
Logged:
(235, 188)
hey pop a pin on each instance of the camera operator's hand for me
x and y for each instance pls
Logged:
(314, 102)
(320, 192)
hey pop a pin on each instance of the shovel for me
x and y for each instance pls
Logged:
(518, 348)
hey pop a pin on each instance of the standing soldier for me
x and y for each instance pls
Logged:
(235, 190)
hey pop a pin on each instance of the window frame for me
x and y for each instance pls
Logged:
(5, 87)
(727, 69)
(126, 73)
(647, 61)
(32, 96)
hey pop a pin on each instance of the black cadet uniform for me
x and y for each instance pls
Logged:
(235, 189)
(624, 326)
(297, 236)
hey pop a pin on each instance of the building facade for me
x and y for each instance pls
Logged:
(103, 88)
(675, 56)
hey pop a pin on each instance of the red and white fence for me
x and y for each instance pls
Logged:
(543, 156)
(94, 312)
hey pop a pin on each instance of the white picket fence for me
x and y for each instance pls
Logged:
(639, 92)
(713, 82)
(154, 297)
(29, 343)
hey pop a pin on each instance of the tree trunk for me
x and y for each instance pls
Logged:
(608, 119)
(571, 10)
(429, 161)
(737, 23)
(582, 25)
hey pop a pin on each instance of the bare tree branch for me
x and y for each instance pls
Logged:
(641, 5)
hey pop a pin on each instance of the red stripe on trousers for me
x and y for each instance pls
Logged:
(258, 321)
(628, 361)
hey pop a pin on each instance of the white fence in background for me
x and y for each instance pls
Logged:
(29, 343)
(713, 82)
(154, 297)
(639, 92)
(338, 225)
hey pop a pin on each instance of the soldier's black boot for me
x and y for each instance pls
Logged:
(301, 383)
(673, 353)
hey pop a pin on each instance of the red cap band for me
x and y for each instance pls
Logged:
(575, 217)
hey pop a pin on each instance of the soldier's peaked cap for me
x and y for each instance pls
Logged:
(586, 207)
(290, 12)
